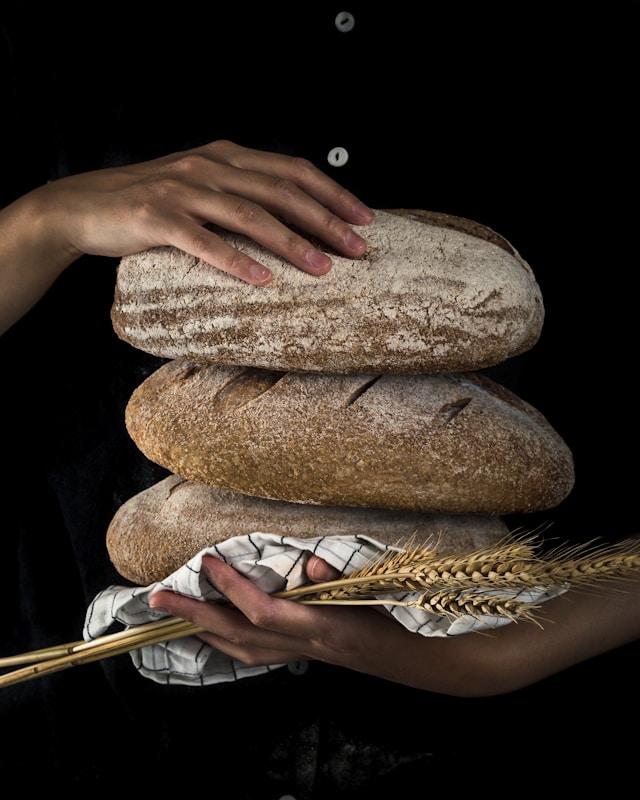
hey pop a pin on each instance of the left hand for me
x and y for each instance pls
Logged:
(261, 630)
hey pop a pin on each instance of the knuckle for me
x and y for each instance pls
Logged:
(304, 168)
(285, 188)
(156, 192)
(247, 213)
(334, 224)
(188, 163)
(148, 199)
(201, 243)
(335, 228)
(237, 263)
(248, 657)
(225, 149)
(262, 617)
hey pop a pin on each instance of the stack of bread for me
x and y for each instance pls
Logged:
(352, 404)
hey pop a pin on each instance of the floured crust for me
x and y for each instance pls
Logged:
(434, 293)
(439, 443)
(158, 530)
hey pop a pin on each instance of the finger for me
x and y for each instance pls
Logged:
(248, 606)
(197, 204)
(252, 656)
(319, 570)
(239, 590)
(291, 188)
(198, 241)
(230, 632)
(210, 247)
(284, 199)
(269, 613)
(299, 171)
(251, 645)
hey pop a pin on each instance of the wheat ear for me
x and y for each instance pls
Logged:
(510, 565)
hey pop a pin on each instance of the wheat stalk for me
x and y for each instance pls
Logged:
(476, 584)
(510, 565)
(73, 654)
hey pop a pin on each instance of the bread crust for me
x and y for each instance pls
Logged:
(448, 443)
(435, 293)
(160, 529)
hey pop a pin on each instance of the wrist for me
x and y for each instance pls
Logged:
(46, 218)
(33, 253)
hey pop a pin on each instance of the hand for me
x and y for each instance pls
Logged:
(168, 200)
(262, 630)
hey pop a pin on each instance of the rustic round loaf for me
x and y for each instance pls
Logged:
(158, 530)
(450, 443)
(435, 293)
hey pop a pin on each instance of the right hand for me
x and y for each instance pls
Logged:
(167, 201)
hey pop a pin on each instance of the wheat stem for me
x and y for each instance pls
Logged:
(512, 566)
(62, 650)
(470, 584)
(44, 654)
(103, 647)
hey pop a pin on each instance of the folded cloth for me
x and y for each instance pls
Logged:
(275, 563)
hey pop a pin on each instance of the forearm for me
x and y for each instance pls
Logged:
(32, 254)
(576, 626)
(573, 628)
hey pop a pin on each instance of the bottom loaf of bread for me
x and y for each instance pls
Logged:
(157, 531)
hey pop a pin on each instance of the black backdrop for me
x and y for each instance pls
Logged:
(520, 120)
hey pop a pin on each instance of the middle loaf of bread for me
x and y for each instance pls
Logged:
(452, 443)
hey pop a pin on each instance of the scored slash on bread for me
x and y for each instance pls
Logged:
(457, 443)
(350, 400)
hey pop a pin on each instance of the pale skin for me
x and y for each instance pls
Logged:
(167, 201)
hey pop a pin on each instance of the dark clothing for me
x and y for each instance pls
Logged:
(522, 122)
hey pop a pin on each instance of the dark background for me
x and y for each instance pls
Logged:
(522, 118)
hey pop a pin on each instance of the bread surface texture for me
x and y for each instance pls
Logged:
(157, 531)
(448, 443)
(434, 293)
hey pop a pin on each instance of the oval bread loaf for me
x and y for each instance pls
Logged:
(434, 293)
(451, 443)
(158, 530)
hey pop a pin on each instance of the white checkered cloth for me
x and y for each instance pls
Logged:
(275, 563)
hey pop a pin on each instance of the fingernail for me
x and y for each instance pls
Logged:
(207, 570)
(158, 607)
(355, 242)
(260, 273)
(319, 260)
(365, 213)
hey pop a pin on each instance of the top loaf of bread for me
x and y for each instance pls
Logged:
(434, 293)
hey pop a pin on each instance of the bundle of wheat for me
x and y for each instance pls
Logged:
(473, 584)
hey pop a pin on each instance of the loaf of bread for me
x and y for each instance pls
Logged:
(434, 293)
(447, 443)
(158, 530)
